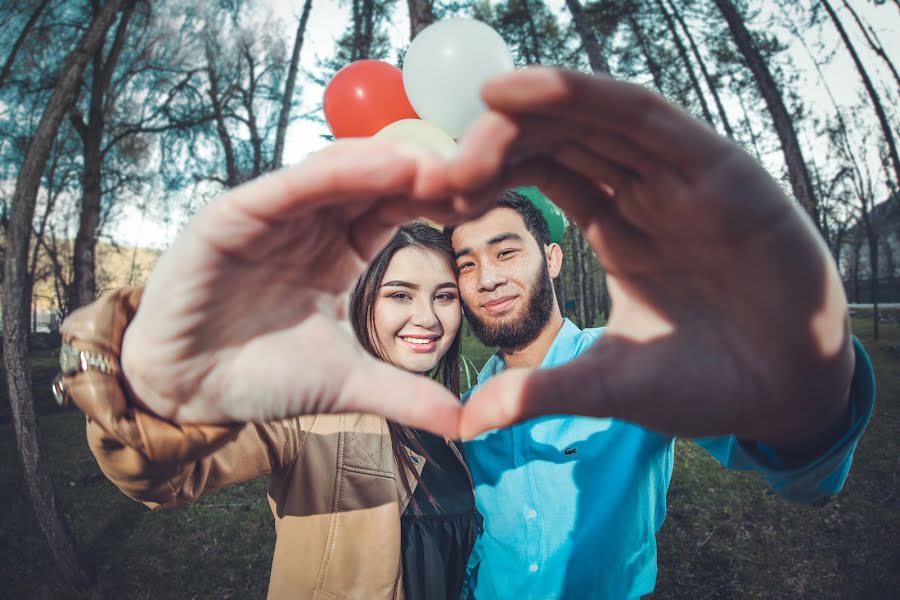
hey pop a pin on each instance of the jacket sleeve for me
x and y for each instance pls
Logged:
(150, 459)
(802, 473)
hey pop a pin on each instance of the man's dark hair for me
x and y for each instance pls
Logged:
(531, 214)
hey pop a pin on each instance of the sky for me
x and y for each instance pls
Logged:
(328, 18)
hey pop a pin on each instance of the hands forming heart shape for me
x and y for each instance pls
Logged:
(728, 312)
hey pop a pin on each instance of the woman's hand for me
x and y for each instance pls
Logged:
(244, 318)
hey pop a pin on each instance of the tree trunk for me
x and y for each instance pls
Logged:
(421, 15)
(287, 99)
(367, 28)
(874, 43)
(710, 83)
(588, 39)
(15, 355)
(559, 286)
(870, 89)
(85, 252)
(754, 140)
(232, 177)
(784, 125)
(686, 61)
(578, 264)
(652, 65)
(872, 240)
(533, 34)
(17, 45)
(249, 98)
(604, 296)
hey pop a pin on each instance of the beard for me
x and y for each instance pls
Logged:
(518, 331)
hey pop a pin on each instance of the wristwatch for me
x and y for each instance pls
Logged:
(73, 361)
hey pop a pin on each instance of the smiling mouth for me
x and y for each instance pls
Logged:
(420, 344)
(500, 305)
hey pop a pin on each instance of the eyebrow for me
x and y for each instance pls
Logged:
(415, 286)
(497, 239)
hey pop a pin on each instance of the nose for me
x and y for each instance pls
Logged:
(490, 278)
(424, 315)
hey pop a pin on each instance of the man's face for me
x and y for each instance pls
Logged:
(504, 280)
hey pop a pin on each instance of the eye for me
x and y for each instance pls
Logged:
(506, 253)
(402, 296)
(445, 297)
(465, 265)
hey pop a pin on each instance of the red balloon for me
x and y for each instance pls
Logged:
(365, 97)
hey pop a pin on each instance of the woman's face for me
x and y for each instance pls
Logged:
(417, 311)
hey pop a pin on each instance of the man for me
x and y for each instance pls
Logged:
(572, 504)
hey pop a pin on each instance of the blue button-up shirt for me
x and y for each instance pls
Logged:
(572, 505)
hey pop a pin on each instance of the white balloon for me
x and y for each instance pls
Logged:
(425, 134)
(445, 67)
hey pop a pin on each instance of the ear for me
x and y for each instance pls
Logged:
(554, 259)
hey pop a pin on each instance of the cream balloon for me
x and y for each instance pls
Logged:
(445, 67)
(423, 133)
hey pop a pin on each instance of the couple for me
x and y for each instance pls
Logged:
(729, 325)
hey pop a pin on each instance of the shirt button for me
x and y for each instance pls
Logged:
(533, 567)
(531, 514)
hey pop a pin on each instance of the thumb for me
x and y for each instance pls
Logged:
(376, 387)
(595, 385)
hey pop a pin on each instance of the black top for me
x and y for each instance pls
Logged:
(435, 543)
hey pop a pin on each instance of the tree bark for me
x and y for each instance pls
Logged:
(798, 173)
(85, 258)
(870, 89)
(710, 83)
(17, 45)
(588, 39)
(421, 15)
(686, 60)
(287, 99)
(18, 369)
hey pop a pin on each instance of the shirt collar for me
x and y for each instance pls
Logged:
(563, 349)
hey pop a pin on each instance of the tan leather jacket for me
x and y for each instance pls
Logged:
(333, 485)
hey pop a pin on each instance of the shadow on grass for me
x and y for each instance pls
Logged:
(726, 535)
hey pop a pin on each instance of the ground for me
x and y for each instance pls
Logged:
(726, 535)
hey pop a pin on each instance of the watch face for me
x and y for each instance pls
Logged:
(68, 360)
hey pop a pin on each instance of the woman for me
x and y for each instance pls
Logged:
(363, 508)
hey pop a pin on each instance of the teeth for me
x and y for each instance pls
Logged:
(417, 340)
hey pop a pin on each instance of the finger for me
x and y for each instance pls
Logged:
(543, 136)
(642, 116)
(496, 141)
(414, 400)
(348, 170)
(617, 378)
(370, 232)
(619, 244)
(400, 210)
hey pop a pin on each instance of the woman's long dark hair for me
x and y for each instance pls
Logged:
(362, 316)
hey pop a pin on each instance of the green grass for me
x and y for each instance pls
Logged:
(726, 535)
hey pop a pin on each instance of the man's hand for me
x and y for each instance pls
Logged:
(244, 318)
(728, 313)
